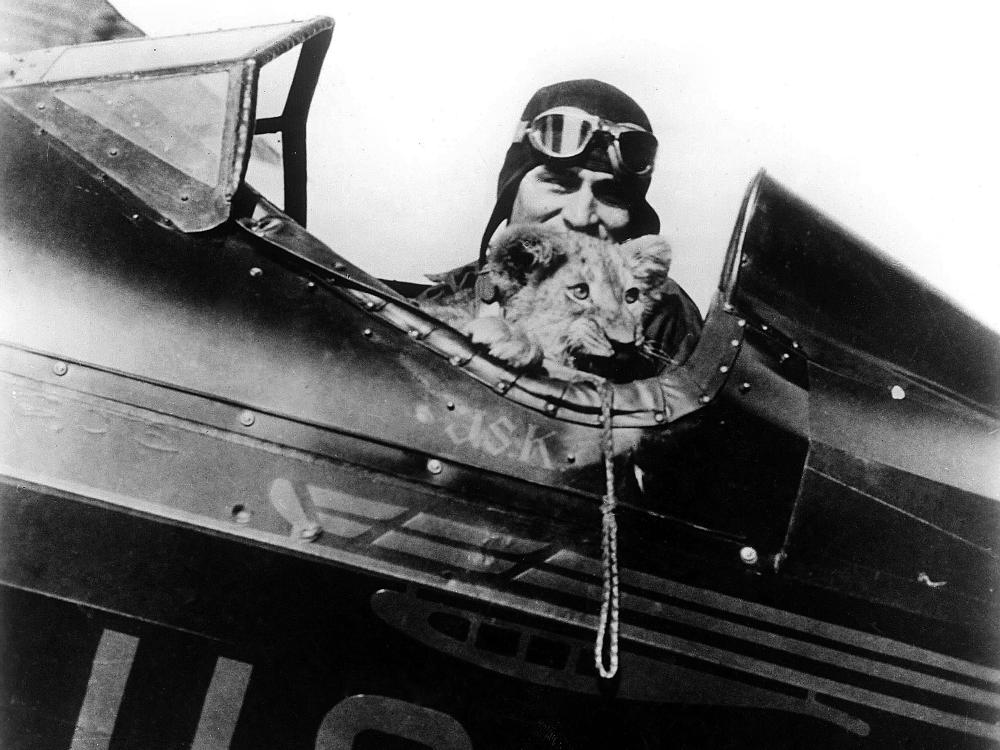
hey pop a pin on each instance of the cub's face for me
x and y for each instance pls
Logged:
(577, 295)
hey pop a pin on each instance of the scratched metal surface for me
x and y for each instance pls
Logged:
(817, 283)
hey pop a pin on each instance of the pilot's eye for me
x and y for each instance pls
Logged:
(561, 179)
(612, 193)
(631, 295)
(580, 291)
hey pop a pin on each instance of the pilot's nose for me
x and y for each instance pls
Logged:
(579, 212)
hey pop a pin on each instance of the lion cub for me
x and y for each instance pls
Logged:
(565, 298)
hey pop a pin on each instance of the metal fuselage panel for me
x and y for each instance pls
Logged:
(193, 412)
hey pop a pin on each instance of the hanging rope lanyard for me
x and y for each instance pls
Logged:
(607, 627)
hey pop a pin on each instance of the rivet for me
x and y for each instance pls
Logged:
(744, 387)
(256, 272)
(369, 305)
(60, 368)
(897, 393)
(434, 466)
(550, 408)
(734, 342)
(658, 416)
(795, 345)
(728, 307)
(240, 514)
(310, 286)
(455, 360)
(135, 216)
(310, 532)
(741, 323)
(339, 266)
(40, 105)
(745, 261)
(450, 406)
(705, 398)
(185, 197)
(748, 555)
(413, 333)
(723, 368)
(112, 152)
(367, 332)
(502, 386)
(247, 418)
(764, 326)
(570, 458)
(784, 357)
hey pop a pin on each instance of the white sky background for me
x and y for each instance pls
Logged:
(884, 116)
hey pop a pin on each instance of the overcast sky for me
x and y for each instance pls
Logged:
(885, 116)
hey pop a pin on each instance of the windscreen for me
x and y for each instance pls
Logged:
(157, 115)
(139, 55)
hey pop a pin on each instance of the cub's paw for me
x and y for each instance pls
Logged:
(584, 336)
(508, 343)
(487, 330)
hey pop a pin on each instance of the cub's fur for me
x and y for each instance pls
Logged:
(565, 296)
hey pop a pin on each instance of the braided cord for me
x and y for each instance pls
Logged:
(607, 628)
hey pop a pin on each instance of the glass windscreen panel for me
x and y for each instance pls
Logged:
(179, 119)
(265, 171)
(144, 54)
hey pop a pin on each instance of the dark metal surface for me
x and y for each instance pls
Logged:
(820, 285)
(875, 532)
(288, 616)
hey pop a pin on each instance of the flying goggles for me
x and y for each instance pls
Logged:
(568, 132)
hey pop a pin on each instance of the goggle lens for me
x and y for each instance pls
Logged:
(561, 135)
(637, 150)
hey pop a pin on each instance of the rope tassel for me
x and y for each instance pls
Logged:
(607, 627)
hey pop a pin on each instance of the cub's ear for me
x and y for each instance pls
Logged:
(648, 258)
(524, 254)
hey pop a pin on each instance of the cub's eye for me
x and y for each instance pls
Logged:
(631, 295)
(580, 291)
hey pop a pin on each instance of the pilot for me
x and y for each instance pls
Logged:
(582, 160)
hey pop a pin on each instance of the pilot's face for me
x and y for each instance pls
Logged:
(572, 199)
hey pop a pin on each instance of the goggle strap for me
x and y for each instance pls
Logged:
(521, 131)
